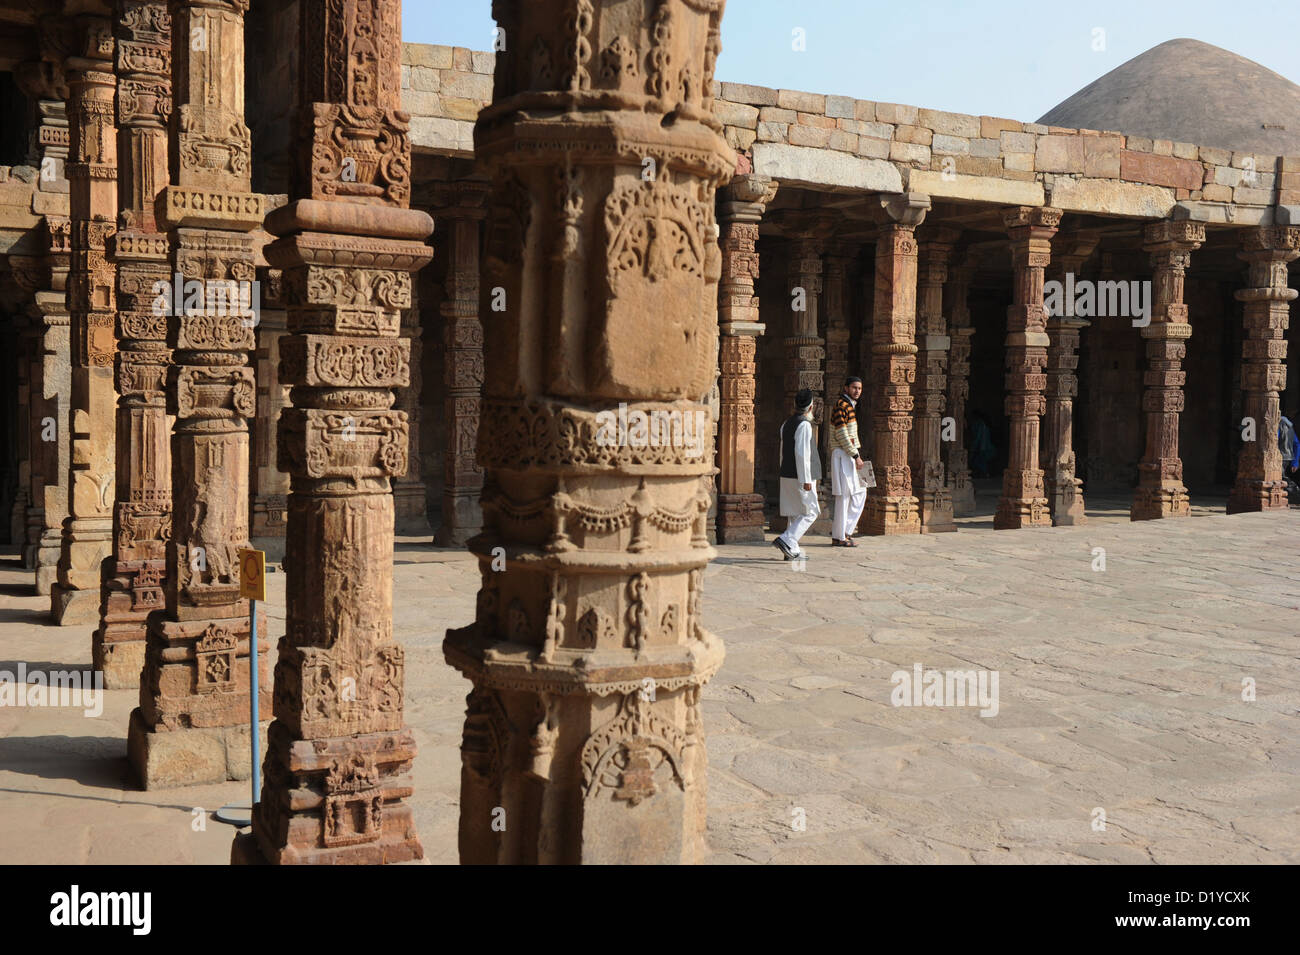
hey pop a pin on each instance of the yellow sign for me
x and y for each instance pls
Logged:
(252, 574)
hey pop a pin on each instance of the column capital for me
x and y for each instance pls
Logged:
(1171, 235)
(905, 208)
(1275, 242)
(462, 198)
(746, 198)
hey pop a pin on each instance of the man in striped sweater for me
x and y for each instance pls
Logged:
(846, 461)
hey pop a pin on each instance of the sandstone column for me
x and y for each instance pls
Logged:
(960, 330)
(132, 584)
(92, 177)
(460, 222)
(1023, 502)
(192, 723)
(1160, 491)
(588, 652)
(929, 476)
(740, 510)
(1061, 484)
(46, 275)
(891, 505)
(26, 346)
(1267, 307)
(805, 349)
(269, 501)
(410, 493)
(338, 756)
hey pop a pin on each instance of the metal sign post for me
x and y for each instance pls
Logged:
(252, 585)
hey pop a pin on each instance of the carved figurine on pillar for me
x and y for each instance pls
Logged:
(336, 778)
(142, 518)
(192, 723)
(1266, 303)
(740, 510)
(891, 506)
(1024, 501)
(588, 653)
(1160, 491)
(929, 475)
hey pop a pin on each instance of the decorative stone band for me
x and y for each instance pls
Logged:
(328, 361)
(556, 437)
(355, 445)
(572, 672)
(210, 209)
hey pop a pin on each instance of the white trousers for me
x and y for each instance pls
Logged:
(795, 528)
(848, 508)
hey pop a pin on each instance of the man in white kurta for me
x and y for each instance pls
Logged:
(800, 471)
(846, 461)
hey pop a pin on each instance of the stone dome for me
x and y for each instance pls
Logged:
(1191, 92)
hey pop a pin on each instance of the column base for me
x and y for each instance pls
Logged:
(1014, 513)
(167, 759)
(47, 561)
(1258, 496)
(887, 516)
(740, 518)
(72, 607)
(1155, 503)
(936, 512)
(121, 661)
(462, 518)
(1065, 500)
(410, 505)
(334, 801)
(963, 496)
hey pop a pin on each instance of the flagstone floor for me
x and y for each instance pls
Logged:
(1121, 734)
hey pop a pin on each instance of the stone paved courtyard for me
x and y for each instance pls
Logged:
(1120, 689)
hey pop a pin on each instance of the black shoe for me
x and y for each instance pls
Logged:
(785, 551)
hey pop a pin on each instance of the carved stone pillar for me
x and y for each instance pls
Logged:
(92, 177)
(837, 337)
(1061, 484)
(929, 476)
(45, 278)
(1266, 304)
(27, 345)
(1024, 502)
(740, 510)
(805, 351)
(336, 778)
(891, 505)
(132, 584)
(269, 502)
(1160, 491)
(410, 493)
(960, 330)
(867, 298)
(588, 652)
(192, 723)
(462, 517)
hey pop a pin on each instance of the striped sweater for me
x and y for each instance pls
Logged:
(844, 427)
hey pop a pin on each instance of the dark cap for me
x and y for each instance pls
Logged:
(803, 399)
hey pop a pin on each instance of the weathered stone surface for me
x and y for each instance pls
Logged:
(1108, 196)
(975, 188)
(812, 167)
(1160, 170)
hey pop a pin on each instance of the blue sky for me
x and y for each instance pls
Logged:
(1011, 58)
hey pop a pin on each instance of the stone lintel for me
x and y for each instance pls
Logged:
(977, 188)
(805, 166)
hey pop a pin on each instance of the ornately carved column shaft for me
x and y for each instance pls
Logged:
(960, 331)
(462, 517)
(336, 777)
(1160, 491)
(1266, 304)
(891, 505)
(133, 578)
(588, 653)
(92, 178)
(1023, 502)
(269, 494)
(929, 476)
(740, 510)
(1063, 488)
(192, 722)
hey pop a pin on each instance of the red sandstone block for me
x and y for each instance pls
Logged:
(1160, 170)
(816, 119)
(991, 127)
